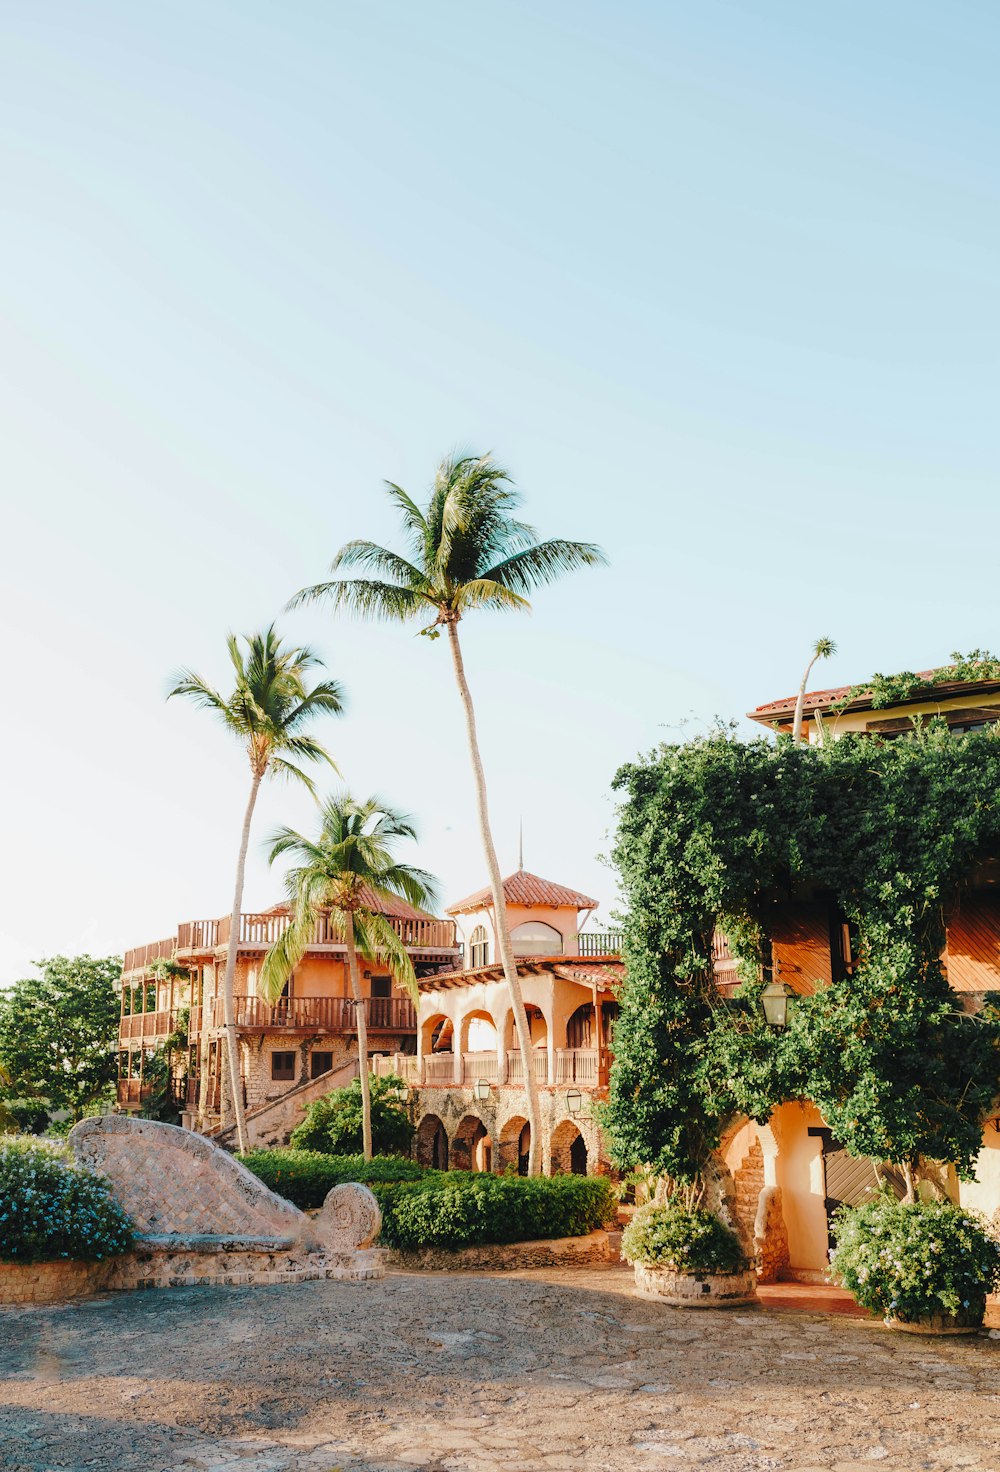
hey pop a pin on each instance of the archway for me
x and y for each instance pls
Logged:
(431, 1143)
(515, 1143)
(580, 1027)
(478, 1033)
(471, 1146)
(437, 1034)
(535, 938)
(568, 1150)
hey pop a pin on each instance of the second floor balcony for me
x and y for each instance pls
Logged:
(311, 1014)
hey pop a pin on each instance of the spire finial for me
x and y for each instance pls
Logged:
(520, 844)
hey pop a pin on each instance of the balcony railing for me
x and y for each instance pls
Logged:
(403, 1065)
(480, 1065)
(580, 1066)
(317, 1014)
(145, 1025)
(133, 1091)
(439, 1068)
(260, 931)
(605, 943)
(139, 957)
(539, 1063)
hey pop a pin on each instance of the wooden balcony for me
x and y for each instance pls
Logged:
(132, 1091)
(580, 1066)
(607, 943)
(145, 1025)
(260, 931)
(139, 957)
(315, 1014)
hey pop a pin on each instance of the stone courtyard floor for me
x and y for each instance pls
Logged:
(560, 1369)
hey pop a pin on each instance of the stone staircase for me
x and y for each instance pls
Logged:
(271, 1124)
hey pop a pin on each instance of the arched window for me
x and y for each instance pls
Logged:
(534, 938)
(479, 947)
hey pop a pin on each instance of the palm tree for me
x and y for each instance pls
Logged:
(350, 872)
(267, 713)
(822, 649)
(468, 553)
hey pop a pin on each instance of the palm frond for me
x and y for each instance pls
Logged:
(365, 598)
(488, 593)
(278, 767)
(544, 563)
(283, 956)
(389, 566)
(377, 942)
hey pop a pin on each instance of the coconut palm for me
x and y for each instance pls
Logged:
(349, 872)
(267, 712)
(822, 649)
(467, 552)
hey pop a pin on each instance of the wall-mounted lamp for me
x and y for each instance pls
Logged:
(574, 1101)
(482, 1089)
(777, 1001)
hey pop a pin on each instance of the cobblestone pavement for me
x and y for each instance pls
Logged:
(477, 1373)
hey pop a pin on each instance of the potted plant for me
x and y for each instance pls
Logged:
(685, 1255)
(925, 1266)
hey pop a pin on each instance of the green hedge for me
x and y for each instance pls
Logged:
(424, 1208)
(305, 1176)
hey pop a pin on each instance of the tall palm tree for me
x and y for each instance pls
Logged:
(349, 871)
(822, 649)
(267, 712)
(468, 552)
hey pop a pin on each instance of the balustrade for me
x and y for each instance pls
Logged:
(319, 1014)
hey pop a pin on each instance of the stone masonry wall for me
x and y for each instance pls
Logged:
(458, 1109)
(749, 1182)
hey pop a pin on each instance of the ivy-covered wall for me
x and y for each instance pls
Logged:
(713, 834)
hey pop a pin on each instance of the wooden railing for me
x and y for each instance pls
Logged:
(577, 1066)
(319, 1014)
(198, 935)
(539, 1063)
(263, 929)
(139, 957)
(145, 1025)
(607, 943)
(439, 1068)
(403, 1065)
(480, 1065)
(133, 1091)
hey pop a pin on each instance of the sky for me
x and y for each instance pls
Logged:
(717, 282)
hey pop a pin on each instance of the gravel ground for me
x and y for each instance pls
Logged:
(553, 1368)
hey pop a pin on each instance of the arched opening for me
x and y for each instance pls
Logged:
(535, 938)
(580, 1027)
(515, 1145)
(479, 947)
(479, 1033)
(569, 1150)
(431, 1143)
(471, 1146)
(437, 1034)
(537, 1027)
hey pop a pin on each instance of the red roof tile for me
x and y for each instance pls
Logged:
(526, 889)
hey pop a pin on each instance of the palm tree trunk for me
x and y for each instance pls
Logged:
(499, 912)
(228, 1004)
(362, 1026)
(800, 701)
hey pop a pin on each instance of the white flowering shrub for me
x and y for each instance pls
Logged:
(911, 1260)
(51, 1208)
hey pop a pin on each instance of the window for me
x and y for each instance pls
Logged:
(320, 1063)
(534, 938)
(479, 947)
(381, 986)
(283, 1067)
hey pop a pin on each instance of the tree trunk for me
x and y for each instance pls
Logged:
(911, 1184)
(499, 912)
(800, 701)
(228, 1004)
(362, 1026)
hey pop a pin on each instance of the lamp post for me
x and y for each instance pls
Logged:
(777, 1000)
(482, 1089)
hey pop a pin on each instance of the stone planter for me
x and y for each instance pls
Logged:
(969, 1322)
(51, 1282)
(696, 1290)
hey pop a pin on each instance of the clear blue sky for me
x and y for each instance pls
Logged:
(717, 281)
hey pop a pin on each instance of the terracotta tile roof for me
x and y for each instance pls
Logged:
(526, 889)
(821, 699)
(396, 908)
(606, 971)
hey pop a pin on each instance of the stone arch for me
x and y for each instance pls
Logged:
(568, 1150)
(430, 1145)
(478, 1032)
(437, 1034)
(471, 1145)
(515, 1140)
(537, 1025)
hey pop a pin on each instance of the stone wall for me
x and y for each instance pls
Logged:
(770, 1236)
(51, 1282)
(272, 1123)
(595, 1247)
(502, 1115)
(748, 1179)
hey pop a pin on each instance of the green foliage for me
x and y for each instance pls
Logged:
(161, 1072)
(334, 1123)
(908, 1261)
(59, 1034)
(718, 831)
(686, 1239)
(51, 1208)
(887, 690)
(305, 1176)
(425, 1208)
(455, 1209)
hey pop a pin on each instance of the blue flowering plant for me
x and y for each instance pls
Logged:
(917, 1260)
(52, 1209)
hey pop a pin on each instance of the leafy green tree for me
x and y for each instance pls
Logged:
(467, 552)
(350, 871)
(353, 1120)
(267, 711)
(59, 1035)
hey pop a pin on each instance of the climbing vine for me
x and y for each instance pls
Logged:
(887, 690)
(714, 834)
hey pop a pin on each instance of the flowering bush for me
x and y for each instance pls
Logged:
(685, 1239)
(51, 1208)
(909, 1261)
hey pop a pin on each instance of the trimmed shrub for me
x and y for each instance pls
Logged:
(305, 1176)
(684, 1239)
(912, 1260)
(427, 1208)
(333, 1123)
(51, 1208)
